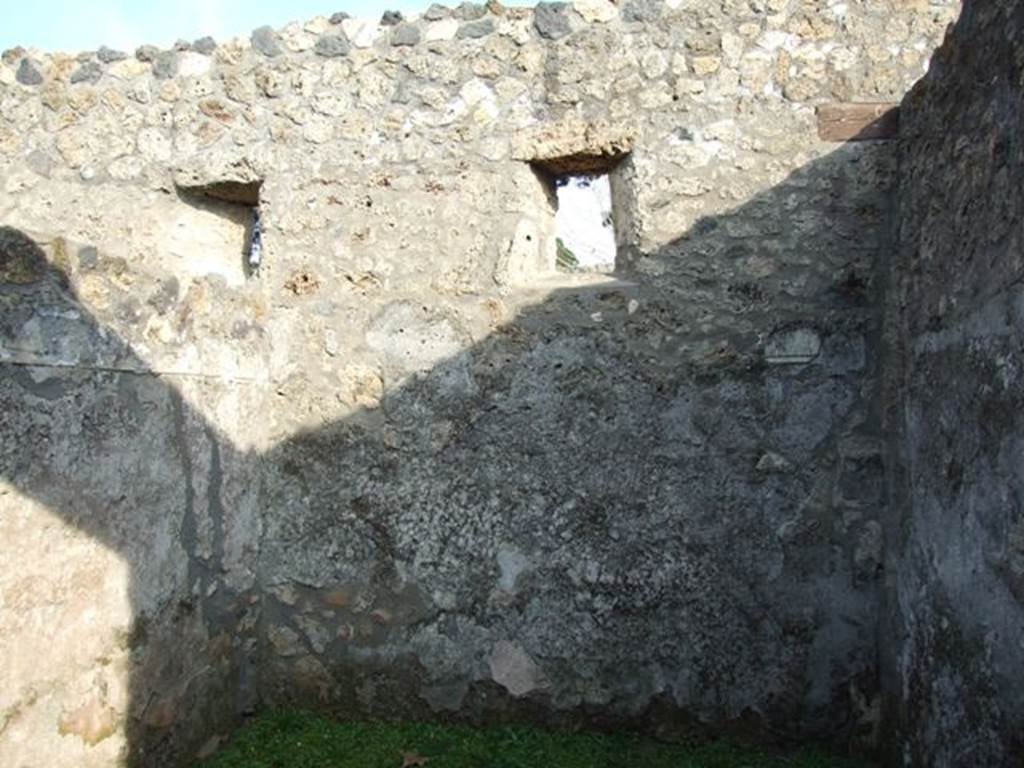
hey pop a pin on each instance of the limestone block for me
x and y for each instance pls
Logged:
(574, 138)
(512, 668)
(443, 29)
(360, 32)
(596, 11)
(800, 345)
(193, 64)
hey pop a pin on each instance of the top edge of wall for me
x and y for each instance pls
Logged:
(467, 21)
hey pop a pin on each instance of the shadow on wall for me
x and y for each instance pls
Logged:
(954, 626)
(107, 448)
(598, 513)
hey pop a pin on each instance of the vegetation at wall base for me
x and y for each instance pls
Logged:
(295, 739)
(565, 259)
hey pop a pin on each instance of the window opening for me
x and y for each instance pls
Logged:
(586, 216)
(584, 229)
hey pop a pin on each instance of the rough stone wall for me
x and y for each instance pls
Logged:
(955, 640)
(128, 520)
(407, 467)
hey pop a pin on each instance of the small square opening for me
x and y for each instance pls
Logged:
(235, 203)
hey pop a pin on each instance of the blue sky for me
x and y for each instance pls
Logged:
(126, 24)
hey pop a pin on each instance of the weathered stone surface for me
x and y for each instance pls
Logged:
(514, 670)
(21, 262)
(40, 162)
(360, 33)
(109, 55)
(446, 29)
(858, 122)
(800, 345)
(165, 65)
(391, 18)
(954, 669)
(266, 41)
(475, 29)
(467, 11)
(405, 34)
(225, 168)
(296, 38)
(270, 83)
(573, 143)
(436, 12)
(600, 11)
(331, 46)
(551, 20)
(90, 72)
(405, 466)
(147, 52)
(192, 64)
(646, 11)
(130, 69)
(88, 257)
(28, 73)
(205, 45)
(91, 722)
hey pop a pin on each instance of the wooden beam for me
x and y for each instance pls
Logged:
(858, 122)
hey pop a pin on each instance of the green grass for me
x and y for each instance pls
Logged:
(564, 257)
(301, 740)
